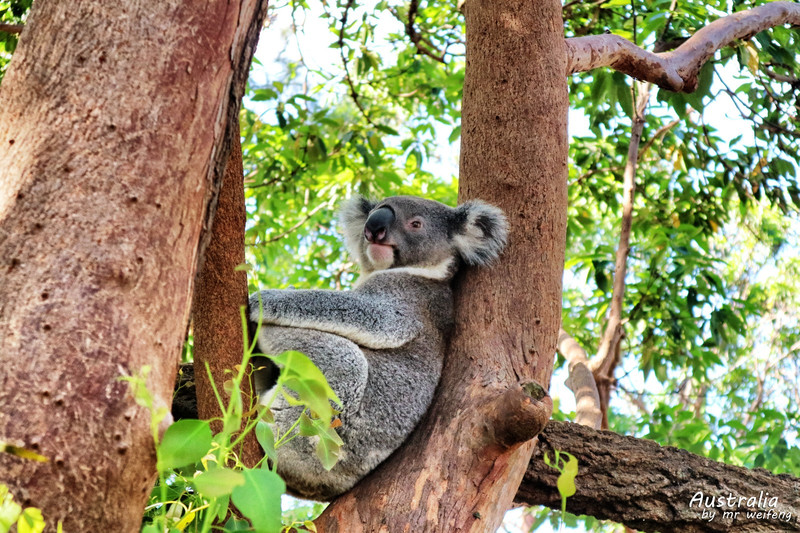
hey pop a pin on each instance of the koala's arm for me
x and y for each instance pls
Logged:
(367, 320)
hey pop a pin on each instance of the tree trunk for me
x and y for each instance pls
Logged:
(651, 488)
(221, 290)
(112, 120)
(461, 469)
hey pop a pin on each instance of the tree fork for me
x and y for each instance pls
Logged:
(449, 476)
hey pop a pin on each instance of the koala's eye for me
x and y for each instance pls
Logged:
(415, 224)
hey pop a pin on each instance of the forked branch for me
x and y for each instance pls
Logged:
(678, 69)
(607, 357)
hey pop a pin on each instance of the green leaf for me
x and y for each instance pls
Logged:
(234, 524)
(566, 481)
(9, 509)
(185, 442)
(259, 499)
(328, 449)
(30, 521)
(328, 444)
(624, 96)
(266, 439)
(299, 374)
(455, 134)
(222, 506)
(218, 482)
(386, 129)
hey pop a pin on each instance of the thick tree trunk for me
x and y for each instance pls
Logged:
(651, 488)
(221, 290)
(461, 468)
(112, 119)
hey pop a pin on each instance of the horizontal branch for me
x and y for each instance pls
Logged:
(632, 481)
(676, 70)
(656, 488)
(11, 28)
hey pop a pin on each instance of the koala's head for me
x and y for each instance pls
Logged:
(406, 231)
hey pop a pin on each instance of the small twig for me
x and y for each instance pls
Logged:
(780, 77)
(661, 131)
(298, 225)
(636, 400)
(662, 38)
(418, 39)
(571, 3)
(353, 92)
(12, 28)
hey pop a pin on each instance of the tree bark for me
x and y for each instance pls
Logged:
(112, 121)
(581, 382)
(460, 470)
(221, 290)
(650, 488)
(676, 70)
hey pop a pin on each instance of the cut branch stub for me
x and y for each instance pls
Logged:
(676, 70)
(518, 414)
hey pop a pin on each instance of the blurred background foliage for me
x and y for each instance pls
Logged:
(364, 97)
(12, 15)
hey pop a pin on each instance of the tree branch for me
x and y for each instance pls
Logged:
(650, 488)
(604, 362)
(780, 77)
(419, 41)
(12, 28)
(676, 70)
(580, 381)
(353, 92)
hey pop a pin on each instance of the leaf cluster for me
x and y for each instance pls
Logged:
(203, 485)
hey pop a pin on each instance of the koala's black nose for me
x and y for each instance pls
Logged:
(378, 224)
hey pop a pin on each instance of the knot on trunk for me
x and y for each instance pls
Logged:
(518, 414)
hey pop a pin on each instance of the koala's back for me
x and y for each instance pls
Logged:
(385, 392)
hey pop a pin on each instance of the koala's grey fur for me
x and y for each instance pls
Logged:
(380, 345)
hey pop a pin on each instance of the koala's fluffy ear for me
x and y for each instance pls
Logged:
(352, 216)
(480, 233)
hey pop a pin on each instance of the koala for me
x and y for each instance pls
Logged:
(381, 345)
